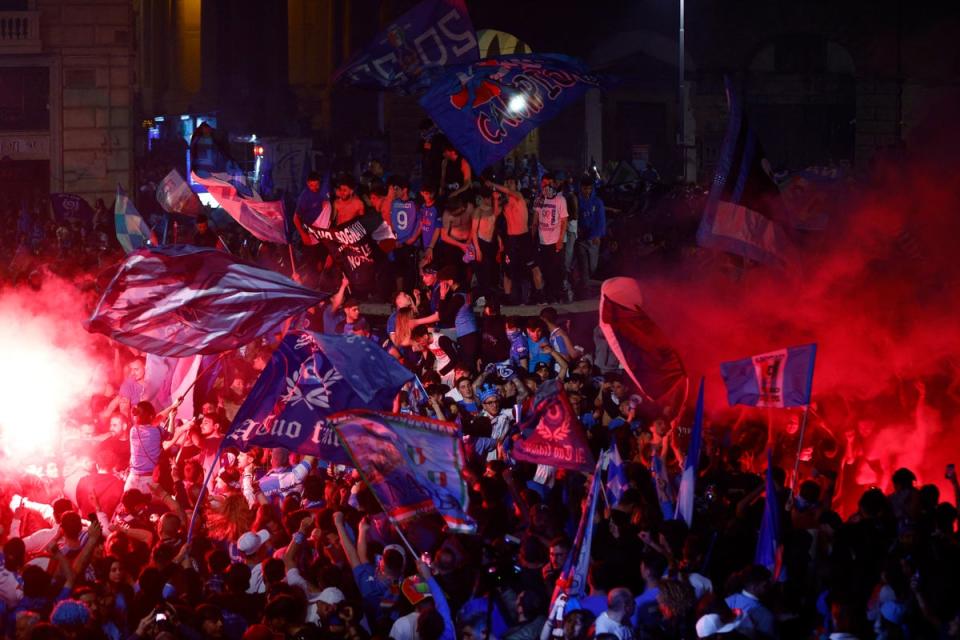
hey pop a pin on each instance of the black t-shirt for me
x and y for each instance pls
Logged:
(354, 248)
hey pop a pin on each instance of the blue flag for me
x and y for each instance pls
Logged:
(689, 479)
(665, 489)
(487, 108)
(310, 377)
(413, 465)
(616, 476)
(68, 205)
(183, 300)
(573, 576)
(742, 211)
(770, 543)
(132, 231)
(779, 379)
(409, 53)
(214, 170)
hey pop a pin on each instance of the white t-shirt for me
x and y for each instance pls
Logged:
(550, 212)
(605, 625)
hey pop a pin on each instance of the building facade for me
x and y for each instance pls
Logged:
(67, 81)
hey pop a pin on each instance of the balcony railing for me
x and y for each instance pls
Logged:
(20, 32)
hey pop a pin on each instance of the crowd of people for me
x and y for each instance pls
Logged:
(105, 543)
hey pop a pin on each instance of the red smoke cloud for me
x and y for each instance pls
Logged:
(878, 291)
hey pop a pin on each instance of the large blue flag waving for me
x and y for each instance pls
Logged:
(413, 48)
(213, 168)
(744, 206)
(183, 300)
(132, 231)
(413, 465)
(310, 377)
(688, 481)
(782, 378)
(487, 108)
(770, 543)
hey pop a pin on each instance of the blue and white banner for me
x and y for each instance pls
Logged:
(409, 53)
(487, 108)
(744, 207)
(413, 465)
(779, 379)
(310, 377)
(174, 195)
(132, 231)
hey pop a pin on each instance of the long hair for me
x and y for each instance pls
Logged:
(404, 326)
(231, 519)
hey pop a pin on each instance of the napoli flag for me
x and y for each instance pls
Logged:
(782, 378)
(770, 543)
(132, 231)
(407, 55)
(68, 205)
(552, 434)
(174, 195)
(215, 171)
(310, 377)
(744, 208)
(182, 300)
(616, 476)
(487, 108)
(413, 465)
(689, 479)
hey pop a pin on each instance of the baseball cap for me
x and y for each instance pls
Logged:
(249, 543)
(415, 590)
(330, 595)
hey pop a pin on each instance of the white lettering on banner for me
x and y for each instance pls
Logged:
(431, 33)
(768, 368)
(467, 36)
(323, 435)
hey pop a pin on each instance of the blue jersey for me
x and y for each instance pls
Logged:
(310, 205)
(405, 219)
(429, 224)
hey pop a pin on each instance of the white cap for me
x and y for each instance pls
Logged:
(249, 543)
(330, 595)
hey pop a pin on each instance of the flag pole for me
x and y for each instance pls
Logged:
(803, 421)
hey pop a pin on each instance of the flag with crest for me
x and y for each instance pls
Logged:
(310, 377)
(413, 465)
(409, 53)
(552, 433)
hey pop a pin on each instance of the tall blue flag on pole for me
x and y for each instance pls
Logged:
(214, 170)
(310, 377)
(779, 379)
(689, 479)
(409, 53)
(487, 108)
(132, 231)
(744, 206)
(413, 465)
(573, 576)
(183, 300)
(770, 543)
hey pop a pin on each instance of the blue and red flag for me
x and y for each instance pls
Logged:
(413, 465)
(573, 576)
(69, 205)
(770, 543)
(487, 108)
(132, 230)
(214, 170)
(744, 206)
(409, 53)
(779, 379)
(652, 363)
(688, 481)
(552, 433)
(183, 300)
(310, 377)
